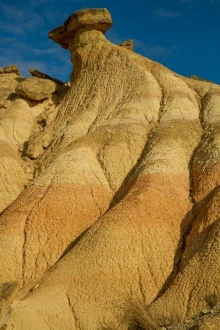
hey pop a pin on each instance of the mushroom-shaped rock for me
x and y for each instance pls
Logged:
(36, 88)
(82, 32)
(97, 19)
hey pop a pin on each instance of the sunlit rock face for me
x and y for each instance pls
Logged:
(116, 222)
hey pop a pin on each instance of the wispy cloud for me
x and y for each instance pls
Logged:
(113, 36)
(48, 58)
(188, 2)
(18, 20)
(20, 28)
(162, 13)
(57, 17)
(35, 3)
(79, 1)
(154, 51)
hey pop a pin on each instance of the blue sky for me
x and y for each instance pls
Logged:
(181, 34)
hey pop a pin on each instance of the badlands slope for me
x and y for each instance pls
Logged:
(110, 192)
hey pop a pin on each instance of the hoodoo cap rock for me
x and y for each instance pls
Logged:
(98, 19)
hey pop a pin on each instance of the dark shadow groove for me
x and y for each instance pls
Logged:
(73, 243)
(132, 175)
(186, 227)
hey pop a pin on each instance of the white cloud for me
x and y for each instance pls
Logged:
(113, 36)
(188, 2)
(154, 51)
(48, 58)
(57, 17)
(36, 3)
(165, 13)
(19, 28)
(17, 45)
(19, 20)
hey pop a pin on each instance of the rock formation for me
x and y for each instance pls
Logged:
(36, 89)
(118, 225)
(38, 74)
(12, 69)
(23, 119)
(128, 44)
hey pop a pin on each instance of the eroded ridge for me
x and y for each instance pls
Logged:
(124, 205)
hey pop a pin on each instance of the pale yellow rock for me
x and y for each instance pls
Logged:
(12, 69)
(8, 83)
(7, 104)
(16, 126)
(37, 110)
(17, 123)
(213, 323)
(19, 120)
(12, 180)
(36, 88)
(10, 80)
(6, 94)
(46, 139)
(34, 149)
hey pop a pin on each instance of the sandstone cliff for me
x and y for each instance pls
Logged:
(110, 193)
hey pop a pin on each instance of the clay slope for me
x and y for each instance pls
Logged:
(120, 224)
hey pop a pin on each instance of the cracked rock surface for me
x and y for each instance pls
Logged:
(121, 207)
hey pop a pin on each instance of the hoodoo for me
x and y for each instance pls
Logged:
(111, 198)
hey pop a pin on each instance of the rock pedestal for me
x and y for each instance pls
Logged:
(81, 28)
(88, 19)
